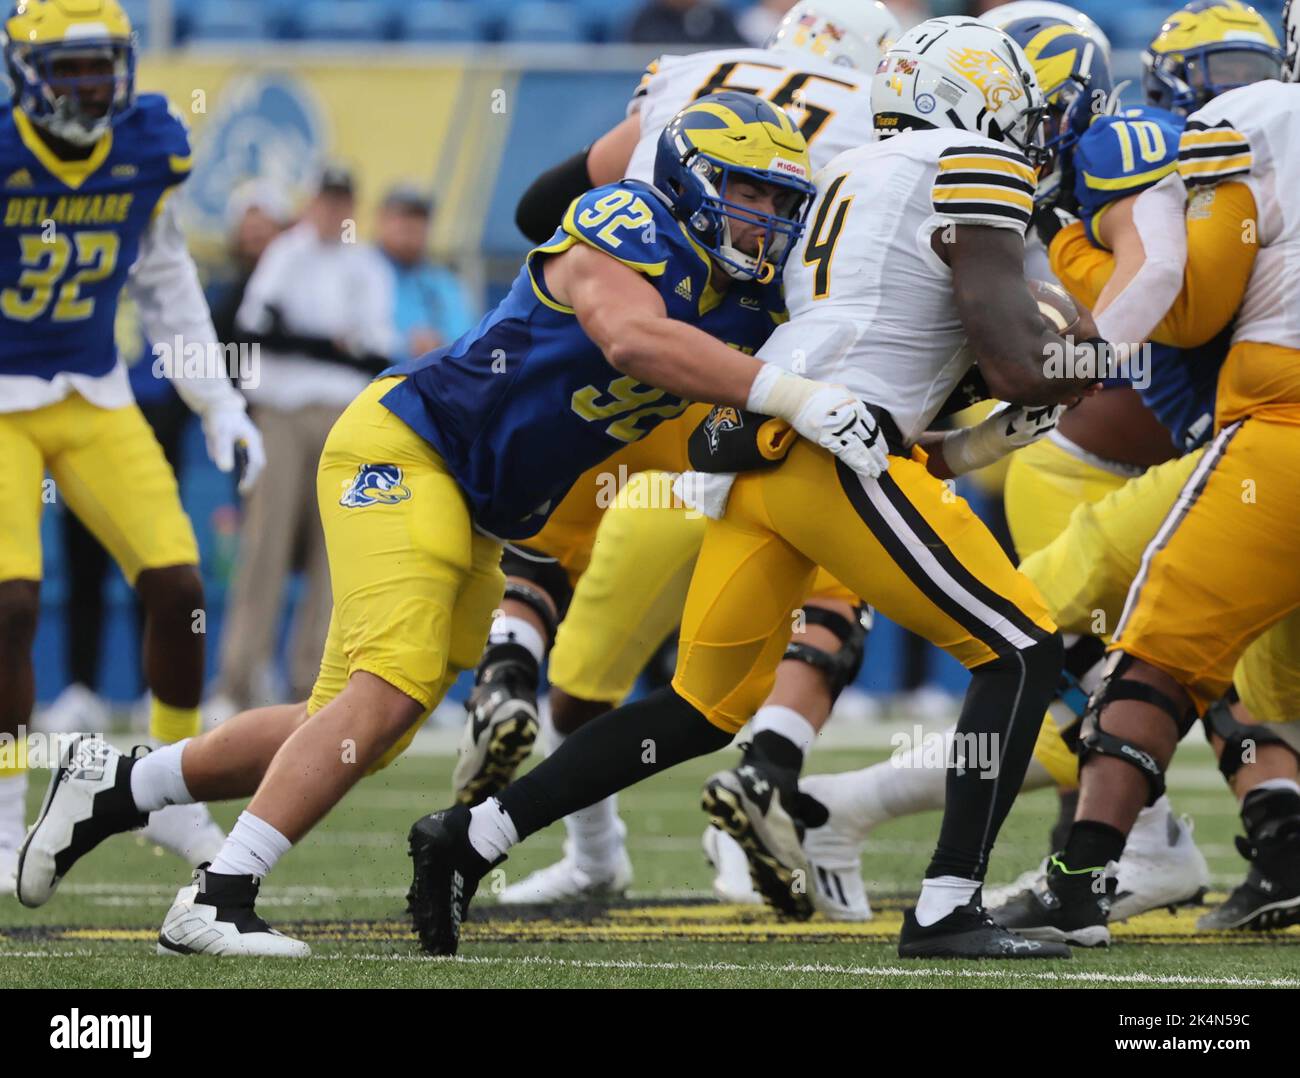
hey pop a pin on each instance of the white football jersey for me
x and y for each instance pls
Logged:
(871, 303)
(1252, 135)
(830, 103)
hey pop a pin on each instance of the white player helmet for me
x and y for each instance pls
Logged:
(852, 33)
(1005, 14)
(1291, 41)
(962, 73)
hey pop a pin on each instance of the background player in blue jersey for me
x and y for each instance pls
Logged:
(85, 170)
(609, 329)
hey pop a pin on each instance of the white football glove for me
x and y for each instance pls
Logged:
(837, 421)
(1004, 430)
(827, 415)
(224, 428)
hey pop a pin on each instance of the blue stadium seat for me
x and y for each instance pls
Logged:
(543, 21)
(230, 20)
(342, 20)
(607, 19)
(138, 12)
(439, 20)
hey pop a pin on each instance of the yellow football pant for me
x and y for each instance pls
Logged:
(414, 584)
(110, 470)
(921, 557)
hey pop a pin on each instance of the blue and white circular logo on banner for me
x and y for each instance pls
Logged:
(925, 102)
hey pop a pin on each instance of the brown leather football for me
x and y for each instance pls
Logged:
(1059, 311)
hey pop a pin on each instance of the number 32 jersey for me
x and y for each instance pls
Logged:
(525, 402)
(69, 233)
(871, 303)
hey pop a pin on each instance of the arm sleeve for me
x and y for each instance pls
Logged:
(1158, 217)
(164, 284)
(541, 207)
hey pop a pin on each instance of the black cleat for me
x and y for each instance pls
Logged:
(445, 874)
(1269, 897)
(969, 932)
(753, 803)
(1063, 907)
(500, 727)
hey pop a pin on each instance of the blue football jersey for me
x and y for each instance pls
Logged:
(71, 230)
(524, 403)
(1122, 155)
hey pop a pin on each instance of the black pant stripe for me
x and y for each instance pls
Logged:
(884, 533)
(944, 555)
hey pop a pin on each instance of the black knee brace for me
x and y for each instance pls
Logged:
(1093, 740)
(1239, 738)
(540, 577)
(840, 667)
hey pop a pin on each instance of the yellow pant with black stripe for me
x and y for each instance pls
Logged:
(903, 543)
(414, 584)
(629, 556)
(108, 468)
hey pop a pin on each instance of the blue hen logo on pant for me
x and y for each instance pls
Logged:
(376, 484)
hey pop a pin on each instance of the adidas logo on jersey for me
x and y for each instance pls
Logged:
(124, 172)
(21, 178)
(683, 288)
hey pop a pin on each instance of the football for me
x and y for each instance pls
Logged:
(1059, 311)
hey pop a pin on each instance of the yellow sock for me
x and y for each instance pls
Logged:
(170, 724)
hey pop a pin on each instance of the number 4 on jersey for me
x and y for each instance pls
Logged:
(822, 237)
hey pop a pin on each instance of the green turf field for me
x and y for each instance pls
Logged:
(343, 890)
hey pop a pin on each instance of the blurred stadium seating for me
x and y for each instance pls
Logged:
(1128, 22)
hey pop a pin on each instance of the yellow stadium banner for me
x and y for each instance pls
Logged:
(279, 118)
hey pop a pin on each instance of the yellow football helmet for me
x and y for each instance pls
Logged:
(721, 139)
(71, 65)
(1205, 49)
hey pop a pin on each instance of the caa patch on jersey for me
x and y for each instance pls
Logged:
(984, 184)
(1208, 154)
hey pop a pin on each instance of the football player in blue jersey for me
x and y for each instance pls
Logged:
(610, 328)
(86, 167)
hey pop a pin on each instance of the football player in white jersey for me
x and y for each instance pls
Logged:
(818, 66)
(1240, 158)
(599, 609)
(911, 271)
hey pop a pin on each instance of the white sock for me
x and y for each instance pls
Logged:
(156, 781)
(251, 849)
(1277, 784)
(13, 809)
(786, 722)
(595, 837)
(511, 630)
(941, 895)
(491, 830)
